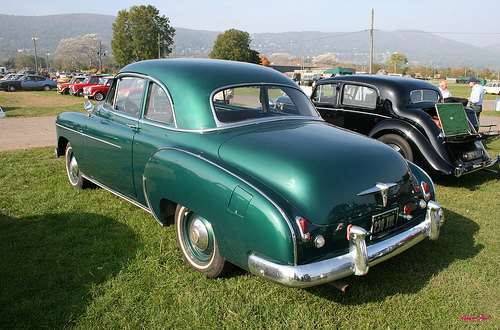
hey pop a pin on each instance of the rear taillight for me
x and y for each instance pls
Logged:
(303, 229)
(426, 190)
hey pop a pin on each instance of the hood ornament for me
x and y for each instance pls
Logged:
(381, 188)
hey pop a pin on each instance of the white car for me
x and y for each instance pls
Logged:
(492, 88)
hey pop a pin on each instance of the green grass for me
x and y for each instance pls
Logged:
(87, 259)
(24, 104)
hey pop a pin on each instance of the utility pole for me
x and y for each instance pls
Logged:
(371, 44)
(36, 61)
(159, 49)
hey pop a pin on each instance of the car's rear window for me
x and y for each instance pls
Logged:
(421, 95)
(252, 102)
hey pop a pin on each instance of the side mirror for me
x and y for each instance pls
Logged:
(89, 106)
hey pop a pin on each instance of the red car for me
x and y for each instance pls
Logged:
(98, 92)
(63, 88)
(77, 89)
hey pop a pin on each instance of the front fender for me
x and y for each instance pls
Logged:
(432, 156)
(244, 219)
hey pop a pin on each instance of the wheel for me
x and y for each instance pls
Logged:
(46, 88)
(399, 144)
(79, 93)
(198, 245)
(11, 88)
(74, 175)
(98, 96)
(65, 91)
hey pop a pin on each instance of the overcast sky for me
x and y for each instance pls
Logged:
(458, 19)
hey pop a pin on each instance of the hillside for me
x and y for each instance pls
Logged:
(421, 48)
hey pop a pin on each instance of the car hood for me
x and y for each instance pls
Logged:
(320, 169)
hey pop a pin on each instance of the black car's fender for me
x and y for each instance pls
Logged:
(435, 157)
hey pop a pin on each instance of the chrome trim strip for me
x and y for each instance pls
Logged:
(357, 261)
(128, 199)
(90, 137)
(354, 111)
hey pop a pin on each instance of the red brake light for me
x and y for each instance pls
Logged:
(304, 229)
(426, 190)
(407, 210)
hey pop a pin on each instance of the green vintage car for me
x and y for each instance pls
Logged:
(275, 190)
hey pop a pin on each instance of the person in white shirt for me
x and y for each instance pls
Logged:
(443, 86)
(476, 96)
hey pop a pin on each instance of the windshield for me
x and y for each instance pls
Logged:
(252, 102)
(421, 95)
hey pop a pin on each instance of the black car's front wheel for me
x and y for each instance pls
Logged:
(196, 240)
(11, 88)
(399, 144)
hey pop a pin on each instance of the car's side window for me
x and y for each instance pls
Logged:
(127, 95)
(158, 107)
(359, 96)
(253, 102)
(326, 94)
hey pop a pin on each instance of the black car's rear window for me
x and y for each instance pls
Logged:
(421, 95)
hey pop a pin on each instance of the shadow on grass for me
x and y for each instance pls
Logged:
(410, 271)
(50, 265)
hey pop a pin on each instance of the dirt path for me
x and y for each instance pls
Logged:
(23, 133)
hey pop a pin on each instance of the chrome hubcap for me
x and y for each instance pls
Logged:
(73, 165)
(199, 234)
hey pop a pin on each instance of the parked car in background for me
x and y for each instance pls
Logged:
(492, 88)
(63, 87)
(98, 92)
(279, 192)
(28, 82)
(406, 114)
(76, 89)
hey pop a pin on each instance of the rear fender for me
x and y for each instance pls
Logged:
(433, 156)
(243, 218)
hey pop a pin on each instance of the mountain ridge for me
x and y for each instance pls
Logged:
(420, 47)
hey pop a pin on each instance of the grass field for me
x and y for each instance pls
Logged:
(87, 259)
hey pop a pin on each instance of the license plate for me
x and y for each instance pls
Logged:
(383, 222)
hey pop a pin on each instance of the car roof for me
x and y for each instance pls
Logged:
(390, 87)
(192, 81)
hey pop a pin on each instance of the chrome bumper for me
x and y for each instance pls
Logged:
(459, 171)
(357, 261)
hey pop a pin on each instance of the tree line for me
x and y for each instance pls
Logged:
(141, 33)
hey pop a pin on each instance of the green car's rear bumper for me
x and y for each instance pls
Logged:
(357, 261)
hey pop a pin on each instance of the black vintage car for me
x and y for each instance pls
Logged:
(408, 115)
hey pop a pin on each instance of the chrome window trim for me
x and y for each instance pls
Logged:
(221, 124)
(147, 80)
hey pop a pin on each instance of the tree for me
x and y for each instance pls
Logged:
(27, 62)
(9, 63)
(141, 34)
(234, 45)
(264, 61)
(396, 60)
(328, 58)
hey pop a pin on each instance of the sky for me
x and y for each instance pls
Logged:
(475, 22)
